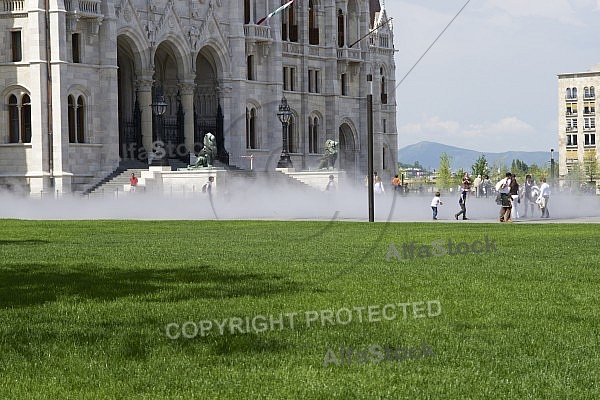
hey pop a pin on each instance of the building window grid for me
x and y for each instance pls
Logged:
(341, 24)
(589, 123)
(313, 24)
(76, 119)
(251, 127)
(17, 46)
(589, 92)
(572, 140)
(571, 124)
(589, 139)
(289, 23)
(291, 136)
(384, 96)
(571, 109)
(571, 93)
(76, 47)
(313, 81)
(589, 108)
(19, 119)
(313, 135)
(289, 78)
(250, 68)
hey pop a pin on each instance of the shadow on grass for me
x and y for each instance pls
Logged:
(27, 284)
(27, 242)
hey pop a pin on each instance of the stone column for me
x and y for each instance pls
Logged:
(144, 87)
(187, 101)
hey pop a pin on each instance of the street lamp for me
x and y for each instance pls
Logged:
(159, 108)
(552, 165)
(284, 116)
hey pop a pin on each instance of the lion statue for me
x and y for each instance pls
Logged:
(207, 155)
(330, 154)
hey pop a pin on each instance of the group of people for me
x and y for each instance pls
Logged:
(509, 196)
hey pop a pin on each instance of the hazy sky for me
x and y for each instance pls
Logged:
(489, 83)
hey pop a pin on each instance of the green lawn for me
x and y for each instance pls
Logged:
(85, 305)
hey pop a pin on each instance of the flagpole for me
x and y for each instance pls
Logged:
(372, 30)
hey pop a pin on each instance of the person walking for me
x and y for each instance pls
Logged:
(378, 188)
(435, 203)
(477, 183)
(462, 201)
(543, 198)
(503, 189)
(514, 196)
(133, 182)
(466, 179)
(487, 186)
(331, 184)
(207, 187)
(528, 200)
(396, 183)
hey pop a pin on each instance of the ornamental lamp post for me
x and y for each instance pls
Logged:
(284, 116)
(552, 167)
(159, 108)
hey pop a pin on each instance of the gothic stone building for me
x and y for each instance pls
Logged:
(77, 78)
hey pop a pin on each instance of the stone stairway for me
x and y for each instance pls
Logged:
(272, 179)
(113, 183)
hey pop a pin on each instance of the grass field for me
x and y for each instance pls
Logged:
(88, 310)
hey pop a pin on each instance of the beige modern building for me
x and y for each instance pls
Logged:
(577, 119)
(77, 78)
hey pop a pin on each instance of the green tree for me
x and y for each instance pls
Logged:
(575, 175)
(498, 171)
(458, 177)
(590, 166)
(518, 167)
(537, 172)
(480, 167)
(444, 175)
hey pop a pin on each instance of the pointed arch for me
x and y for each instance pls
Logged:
(315, 131)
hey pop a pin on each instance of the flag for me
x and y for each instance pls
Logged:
(283, 7)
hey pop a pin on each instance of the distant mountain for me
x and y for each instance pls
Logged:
(428, 155)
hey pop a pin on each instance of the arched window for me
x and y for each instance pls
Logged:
(341, 29)
(592, 92)
(574, 93)
(313, 135)
(246, 11)
(80, 120)
(586, 92)
(26, 119)
(71, 118)
(19, 119)
(289, 23)
(292, 138)
(384, 98)
(313, 25)
(13, 119)
(568, 93)
(251, 136)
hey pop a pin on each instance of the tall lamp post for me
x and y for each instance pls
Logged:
(370, 171)
(159, 108)
(284, 116)
(552, 166)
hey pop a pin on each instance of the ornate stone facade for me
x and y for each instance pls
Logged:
(69, 121)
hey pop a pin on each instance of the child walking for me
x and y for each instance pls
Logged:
(435, 203)
(462, 201)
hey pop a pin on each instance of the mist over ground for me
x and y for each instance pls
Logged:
(260, 200)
